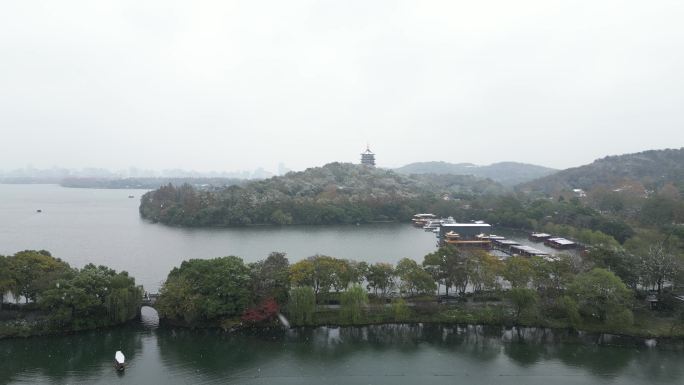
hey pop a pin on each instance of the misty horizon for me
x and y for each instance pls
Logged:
(246, 85)
(30, 171)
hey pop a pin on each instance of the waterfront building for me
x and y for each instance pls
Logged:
(368, 157)
(465, 234)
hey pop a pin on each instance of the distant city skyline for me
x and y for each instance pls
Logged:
(256, 173)
(238, 85)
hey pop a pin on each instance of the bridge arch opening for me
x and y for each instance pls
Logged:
(149, 316)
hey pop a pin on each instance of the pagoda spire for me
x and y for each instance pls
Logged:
(368, 157)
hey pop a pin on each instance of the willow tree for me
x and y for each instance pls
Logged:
(302, 305)
(353, 301)
(6, 280)
(123, 299)
(400, 310)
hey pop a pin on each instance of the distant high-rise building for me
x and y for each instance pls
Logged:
(368, 157)
(282, 170)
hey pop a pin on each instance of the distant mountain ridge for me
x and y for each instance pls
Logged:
(652, 169)
(506, 173)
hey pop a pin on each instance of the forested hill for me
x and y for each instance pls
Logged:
(642, 171)
(334, 193)
(506, 173)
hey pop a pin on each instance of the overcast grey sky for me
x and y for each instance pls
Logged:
(223, 85)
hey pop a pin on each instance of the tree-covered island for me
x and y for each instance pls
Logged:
(336, 193)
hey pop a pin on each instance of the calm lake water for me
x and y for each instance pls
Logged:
(390, 354)
(104, 227)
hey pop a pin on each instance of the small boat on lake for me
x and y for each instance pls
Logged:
(39, 211)
(131, 196)
(119, 361)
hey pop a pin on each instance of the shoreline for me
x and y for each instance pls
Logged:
(509, 333)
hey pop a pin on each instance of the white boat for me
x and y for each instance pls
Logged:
(419, 220)
(119, 360)
(433, 224)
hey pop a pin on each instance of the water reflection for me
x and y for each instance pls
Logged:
(77, 357)
(386, 354)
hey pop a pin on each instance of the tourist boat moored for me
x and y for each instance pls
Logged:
(432, 224)
(539, 237)
(119, 361)
(419, 220)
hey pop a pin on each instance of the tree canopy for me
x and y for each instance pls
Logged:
(206, 290)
